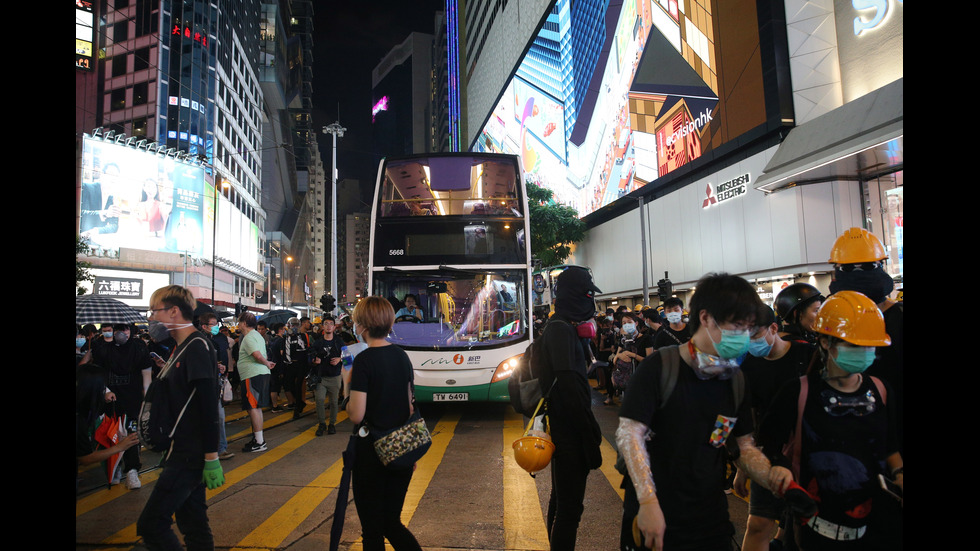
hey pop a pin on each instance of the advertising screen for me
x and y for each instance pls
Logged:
(616, 94)
(136, 199)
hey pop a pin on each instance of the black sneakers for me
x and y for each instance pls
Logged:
(321, 428)
(254, 446)
(331, 430)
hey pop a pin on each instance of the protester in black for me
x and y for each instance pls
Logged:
(574, 430)
(381, 396)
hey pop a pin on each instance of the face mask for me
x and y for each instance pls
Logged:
(215, 330)
(79, 342)
(760, 348)
(120, 338)
(160, 331)
(674, 317)
(733, 343)
(854, 359)
(610, 318)
(107, 335)
(629, 328)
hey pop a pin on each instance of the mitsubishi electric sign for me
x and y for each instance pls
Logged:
(736, 187)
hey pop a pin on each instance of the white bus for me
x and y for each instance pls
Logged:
(452, 231)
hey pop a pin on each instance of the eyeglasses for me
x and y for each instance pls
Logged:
(150, 311)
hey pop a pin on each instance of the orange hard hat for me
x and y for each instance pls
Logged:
(857, 245)
(533, 453)
(852, 317)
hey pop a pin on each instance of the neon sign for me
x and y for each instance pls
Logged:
(382, 105)
(187, 33)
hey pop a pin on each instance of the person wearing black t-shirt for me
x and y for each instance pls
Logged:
(382, 390)
(675, 451)
(772, 362)
(192, 465)
(676, 331)
(326, 364)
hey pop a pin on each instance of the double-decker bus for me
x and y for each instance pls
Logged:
(452, 231)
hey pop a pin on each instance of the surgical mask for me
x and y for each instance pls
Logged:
(120, 338)
(733, 343)
(79, 342)
(215, 329)
(107, 335)
(854, 359)
(160, 331)
(674, 317)
(760, 347)
(629, 328)
(610, 318)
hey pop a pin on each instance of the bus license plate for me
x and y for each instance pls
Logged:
(451, 397)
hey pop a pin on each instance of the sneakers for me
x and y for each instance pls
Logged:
(254, 446)
(133, 480)
(225, 455)
(331, 430)
(298, 412)
(277, 409)
(321, 428)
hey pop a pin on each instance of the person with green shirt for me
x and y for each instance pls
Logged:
(255, 370)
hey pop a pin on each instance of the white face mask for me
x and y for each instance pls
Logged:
(674, 317)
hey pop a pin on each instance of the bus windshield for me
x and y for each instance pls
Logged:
(455, 309)
(440, 186)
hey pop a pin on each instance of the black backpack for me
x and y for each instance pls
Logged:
(527, 382)
(158, 418)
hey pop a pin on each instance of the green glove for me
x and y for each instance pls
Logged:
(214, 476)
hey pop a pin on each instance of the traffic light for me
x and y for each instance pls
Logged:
(664, 288)
(327, 302)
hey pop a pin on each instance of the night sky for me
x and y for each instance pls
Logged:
(350, 38)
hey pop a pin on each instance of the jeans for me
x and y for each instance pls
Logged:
(222, 437)
(568, 477)
(379, 495)
(179, 492)
(331, 386)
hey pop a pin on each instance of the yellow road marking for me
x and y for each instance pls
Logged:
(524, 526)
(608, 468)
(128, 534)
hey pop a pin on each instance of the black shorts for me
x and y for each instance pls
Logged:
(255, 392)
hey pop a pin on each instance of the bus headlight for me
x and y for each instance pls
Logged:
(505, 368)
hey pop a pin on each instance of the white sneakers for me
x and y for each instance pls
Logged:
(133, 480)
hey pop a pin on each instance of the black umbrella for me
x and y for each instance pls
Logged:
(99, 309)
(202, 308)
(278, 316)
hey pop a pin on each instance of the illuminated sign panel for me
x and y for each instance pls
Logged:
(870, 44)
(382, 105)
(135, 199)
(84, 29)
(660, 97)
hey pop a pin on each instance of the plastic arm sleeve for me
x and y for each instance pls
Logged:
(631, 437)
(753, 461)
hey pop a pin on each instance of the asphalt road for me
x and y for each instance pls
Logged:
(467, 493)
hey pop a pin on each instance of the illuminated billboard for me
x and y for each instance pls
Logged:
(135, 199)
(671, 82)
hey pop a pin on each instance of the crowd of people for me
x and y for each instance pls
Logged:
(797, 407)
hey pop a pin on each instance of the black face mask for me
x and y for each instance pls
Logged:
(874, 284)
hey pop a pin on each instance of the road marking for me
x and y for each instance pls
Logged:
(524, 526)
(442, 434)
(608, 467)
(232, 477)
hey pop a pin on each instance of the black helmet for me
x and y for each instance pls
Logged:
(797, 294)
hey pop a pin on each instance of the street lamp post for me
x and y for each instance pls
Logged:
(214, 239)
(338, 132)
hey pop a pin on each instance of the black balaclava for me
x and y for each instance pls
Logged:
(875, 284)
(575, 294)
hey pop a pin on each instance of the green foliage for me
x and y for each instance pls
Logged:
(82, 272)
(554, 227)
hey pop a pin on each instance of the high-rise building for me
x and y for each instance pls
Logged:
(401, 87)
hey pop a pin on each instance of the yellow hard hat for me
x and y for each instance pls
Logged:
(533, 453)
(638, 307)
(852, 317)
(317, 320)
(857, 245)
